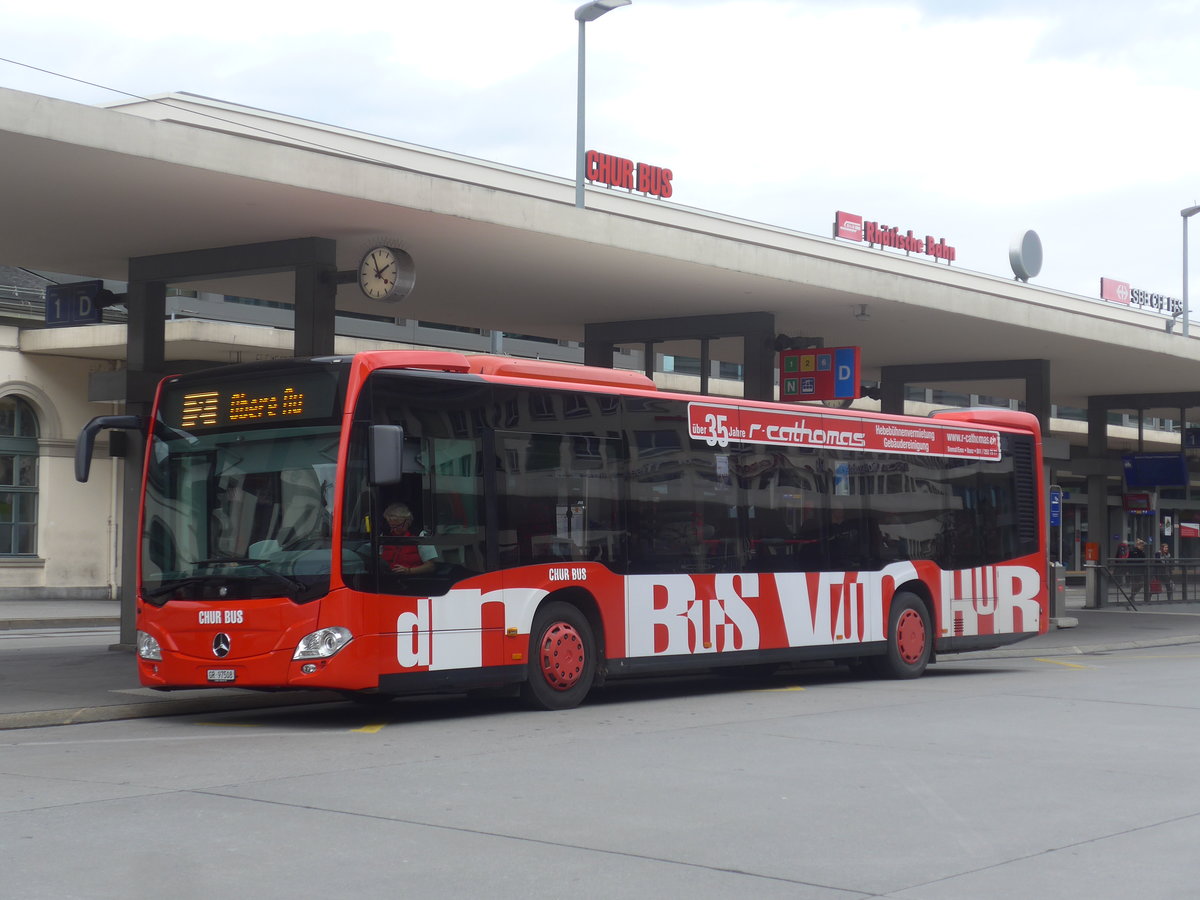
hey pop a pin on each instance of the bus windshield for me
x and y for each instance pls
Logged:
(239, 514)
(239, 486)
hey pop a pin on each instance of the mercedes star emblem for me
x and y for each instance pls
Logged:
(221, 645)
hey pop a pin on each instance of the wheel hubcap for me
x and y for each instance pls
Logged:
(561, 656)
(910, 636)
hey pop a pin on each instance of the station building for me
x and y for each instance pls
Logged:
(227, 233)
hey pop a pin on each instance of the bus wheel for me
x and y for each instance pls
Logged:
(910, 639)
(562, 658)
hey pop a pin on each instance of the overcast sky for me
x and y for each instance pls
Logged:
(971, 120)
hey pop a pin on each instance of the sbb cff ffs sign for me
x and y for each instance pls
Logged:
(1120, 292)
(824, 373)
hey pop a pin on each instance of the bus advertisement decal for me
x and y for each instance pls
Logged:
(717, 425)
(690, 614)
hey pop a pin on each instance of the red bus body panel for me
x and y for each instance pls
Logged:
(664, 621)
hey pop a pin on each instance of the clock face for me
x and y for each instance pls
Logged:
(379, 272)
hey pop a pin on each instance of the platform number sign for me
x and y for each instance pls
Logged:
(828, 373)
(77, 303)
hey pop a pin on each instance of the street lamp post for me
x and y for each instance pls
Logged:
(1187, 214)
(587, 13)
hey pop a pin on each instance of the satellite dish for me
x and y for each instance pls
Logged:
(1025, 255)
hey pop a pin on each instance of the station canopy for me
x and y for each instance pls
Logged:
(500, 248)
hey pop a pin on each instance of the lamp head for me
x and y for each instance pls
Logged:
(594, 9)
(1189, 212)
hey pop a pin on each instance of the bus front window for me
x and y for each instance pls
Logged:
(239, 514)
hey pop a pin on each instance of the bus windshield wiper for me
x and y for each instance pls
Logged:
(175, 585)
(295, 584)
(229, 561)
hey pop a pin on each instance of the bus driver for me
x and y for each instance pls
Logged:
(405, 559)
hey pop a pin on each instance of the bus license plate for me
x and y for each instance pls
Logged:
(220, 674)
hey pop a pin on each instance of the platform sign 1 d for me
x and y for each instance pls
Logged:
(77, 303)
(822, 373)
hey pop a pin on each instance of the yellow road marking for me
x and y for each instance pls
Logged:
(780, 690)
(1060, 662)
(369, 729)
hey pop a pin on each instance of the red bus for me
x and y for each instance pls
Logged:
(414, 521)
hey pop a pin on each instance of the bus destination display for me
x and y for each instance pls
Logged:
(276, 401)
(204, 407)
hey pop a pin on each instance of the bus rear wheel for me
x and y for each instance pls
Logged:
(910, 639)
(562, 658)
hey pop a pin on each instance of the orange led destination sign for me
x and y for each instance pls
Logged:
(205, 407)
(202, 403)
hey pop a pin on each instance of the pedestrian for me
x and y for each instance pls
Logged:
(1165, 571)
(1139, 575)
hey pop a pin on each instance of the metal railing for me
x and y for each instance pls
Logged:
(1140, 582)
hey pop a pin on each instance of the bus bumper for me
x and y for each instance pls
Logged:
(353, 668)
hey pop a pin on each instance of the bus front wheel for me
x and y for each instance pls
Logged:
(562, 658)
(910, 639)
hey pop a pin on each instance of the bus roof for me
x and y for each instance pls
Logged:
(550, 373)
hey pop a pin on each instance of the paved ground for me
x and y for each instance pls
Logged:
(57, 665)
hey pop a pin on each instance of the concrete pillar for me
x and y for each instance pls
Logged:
(1035, 373)
(145, 354)
(1097, 492)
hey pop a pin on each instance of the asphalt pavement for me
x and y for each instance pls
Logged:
(59, 664)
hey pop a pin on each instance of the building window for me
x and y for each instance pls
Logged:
(18, 478)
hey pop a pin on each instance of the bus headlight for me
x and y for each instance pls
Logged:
(147, 647)
(322, 644)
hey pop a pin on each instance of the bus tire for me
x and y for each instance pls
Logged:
(562, 658)
(909, 641)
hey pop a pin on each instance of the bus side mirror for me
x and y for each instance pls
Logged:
(387, 454)
(85, 444)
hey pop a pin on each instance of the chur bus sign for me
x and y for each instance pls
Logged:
(616, 171)
(852, 227)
